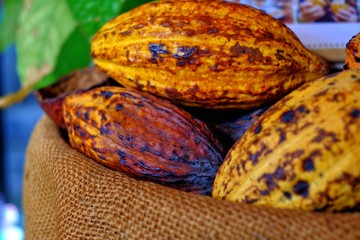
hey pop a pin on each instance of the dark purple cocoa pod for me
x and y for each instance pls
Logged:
(228, 125)
(144, 137)
(234, 129)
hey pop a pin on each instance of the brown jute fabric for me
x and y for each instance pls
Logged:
(69, 196)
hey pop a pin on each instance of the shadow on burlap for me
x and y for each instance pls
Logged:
(69, 196)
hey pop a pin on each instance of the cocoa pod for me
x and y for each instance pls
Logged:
(228, 125)
(51, 98)
(144, 137)
(232, 131)
(209, 54)
(302, 153)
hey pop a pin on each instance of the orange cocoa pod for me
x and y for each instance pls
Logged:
(144, 137)
(209, 54)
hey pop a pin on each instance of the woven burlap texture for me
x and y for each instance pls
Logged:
(69, 196)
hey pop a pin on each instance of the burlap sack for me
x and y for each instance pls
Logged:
(69, 196)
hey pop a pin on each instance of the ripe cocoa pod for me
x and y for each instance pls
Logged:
(236, 128)
(352, 53)
(212, 54)
(302, 153)
(228, 125)
(144, 137)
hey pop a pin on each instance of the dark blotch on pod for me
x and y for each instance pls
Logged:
(302, 188)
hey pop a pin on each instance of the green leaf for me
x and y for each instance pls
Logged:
(54, 36)
(74, 54)
(11, 13)
(44, 27)
(91, 15)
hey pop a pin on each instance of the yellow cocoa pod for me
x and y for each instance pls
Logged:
(302, 153)
(211, 54)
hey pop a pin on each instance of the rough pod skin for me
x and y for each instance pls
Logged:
(352, 53)
(211, 54)
(143, 136)
(302, 153)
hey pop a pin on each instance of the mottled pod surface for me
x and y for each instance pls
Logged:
(211, 54)
(143, 136)
(302, 153)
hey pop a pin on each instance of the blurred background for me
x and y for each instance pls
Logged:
(18, 121)
(16, 124)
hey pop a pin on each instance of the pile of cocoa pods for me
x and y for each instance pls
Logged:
(219, 99)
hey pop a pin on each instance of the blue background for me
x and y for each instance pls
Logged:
(17, 123)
